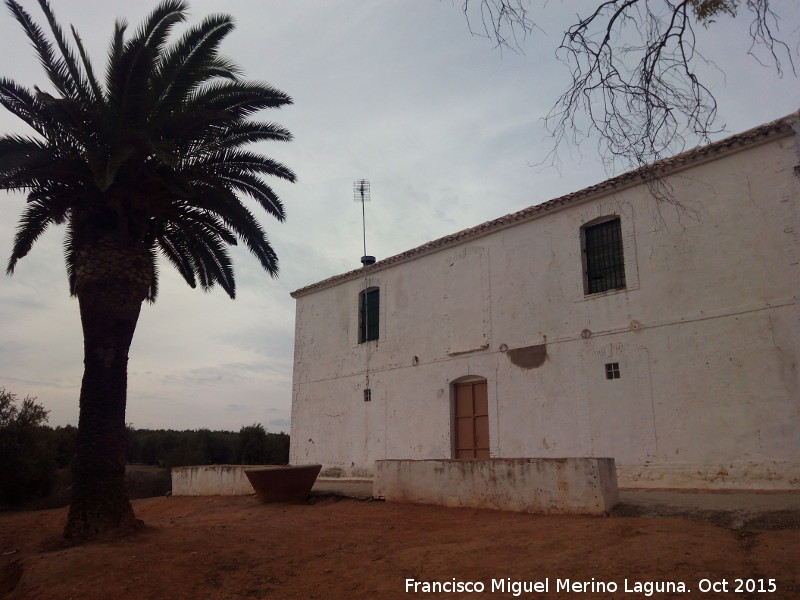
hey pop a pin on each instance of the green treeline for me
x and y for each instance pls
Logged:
(32, 452)
(251, 445)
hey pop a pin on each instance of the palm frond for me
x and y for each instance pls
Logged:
(56, 69)
(71, 117)
(152, 291)
(31, 164)
(206, 220)
(238, 134)
(132, 63)
(236, 100)
(185, 65)
(115, 50)
(260, 191)
(229, 161)
(241, 221)
(174, 248)
(239, 170)
(222, 67)
(23, 104)
(212, 261)
(68, 62)
(200, 255)
(17, 152)
(91, 79)
(233, 169)
(70, 257)
(36, 218)
(129, 91)
(155, 29)
(57, 202)
(203, 132)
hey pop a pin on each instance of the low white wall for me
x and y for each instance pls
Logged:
(211, 480)
(534, 485)
(734, 475)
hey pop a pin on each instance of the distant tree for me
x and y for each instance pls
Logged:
(253, 447)
(27, 457)
(258, 447)
(147, 162)
(170, 448)
(201, 447)
(151, 450)
(633, 65)
(278, 444)
(222, 447)
(64, 439)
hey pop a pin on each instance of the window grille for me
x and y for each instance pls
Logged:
(605, 264)
(369, 315)
(612, 370)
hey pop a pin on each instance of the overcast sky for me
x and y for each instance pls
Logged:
(444, 126)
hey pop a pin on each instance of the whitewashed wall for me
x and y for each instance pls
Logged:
(706, 335)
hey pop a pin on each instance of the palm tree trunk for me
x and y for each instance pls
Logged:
(111, 286)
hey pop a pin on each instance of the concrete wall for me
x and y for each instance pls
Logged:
(211, 480)
(586, 486)
(706, 334)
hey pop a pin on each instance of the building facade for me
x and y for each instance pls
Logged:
(600, 324)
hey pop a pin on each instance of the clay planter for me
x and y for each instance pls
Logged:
(283, 483)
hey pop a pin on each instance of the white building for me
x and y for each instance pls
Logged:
(598, 324)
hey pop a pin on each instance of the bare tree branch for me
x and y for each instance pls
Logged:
(633, 64)
(765, 22)
(504, 21)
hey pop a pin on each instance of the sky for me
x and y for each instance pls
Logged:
(447, 128)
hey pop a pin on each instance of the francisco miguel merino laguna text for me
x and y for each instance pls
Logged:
(517, 588)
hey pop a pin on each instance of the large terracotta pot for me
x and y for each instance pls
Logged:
(283, 483)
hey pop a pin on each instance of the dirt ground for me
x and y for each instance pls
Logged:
(234, 548)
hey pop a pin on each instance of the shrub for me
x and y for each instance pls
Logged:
(257, 447)
(27, 454)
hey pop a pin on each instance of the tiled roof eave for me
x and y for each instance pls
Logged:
(757, 135)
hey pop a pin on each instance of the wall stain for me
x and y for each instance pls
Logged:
(529, 357)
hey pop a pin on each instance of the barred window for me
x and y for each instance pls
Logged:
(368, 315)
(605, 265)
(612, 371)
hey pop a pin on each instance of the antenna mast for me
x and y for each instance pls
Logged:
(361, 194)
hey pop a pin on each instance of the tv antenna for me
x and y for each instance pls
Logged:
(361, 194)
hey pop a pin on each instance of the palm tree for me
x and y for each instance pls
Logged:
(149, 162)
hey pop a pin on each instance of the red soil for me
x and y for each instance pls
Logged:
(234, 547)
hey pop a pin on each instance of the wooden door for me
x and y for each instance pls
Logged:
(471, 420)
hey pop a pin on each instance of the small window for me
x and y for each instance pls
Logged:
(367, 395)
(605, 264)
(612, 370)
(368, 315)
